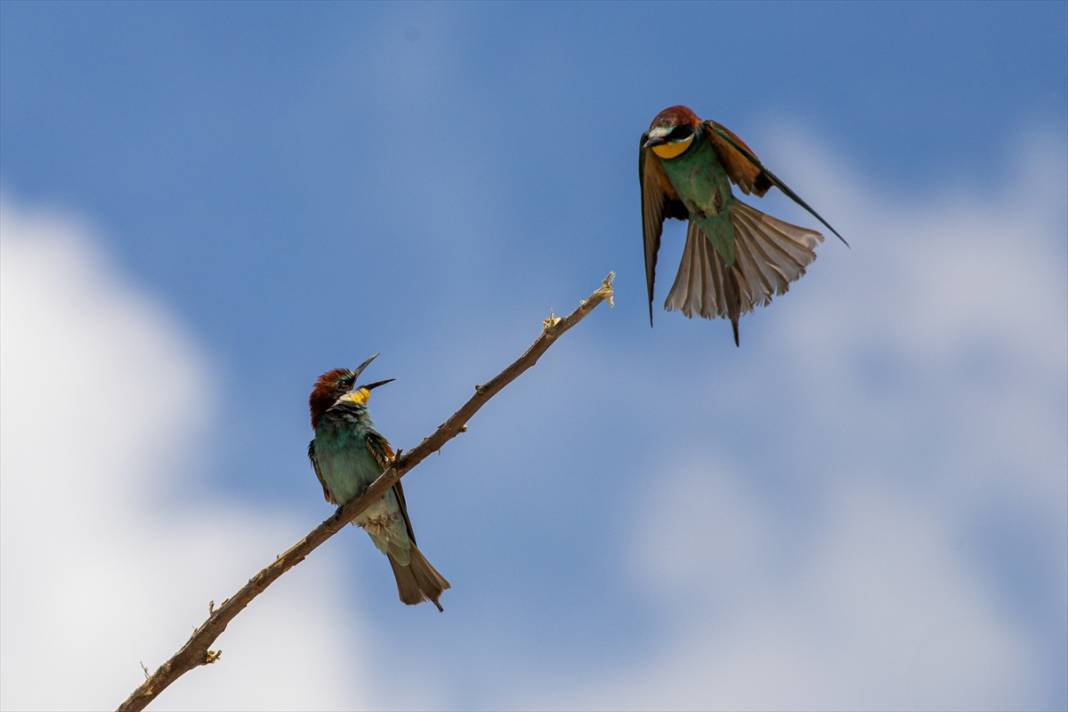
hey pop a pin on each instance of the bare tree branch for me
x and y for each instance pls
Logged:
(197, 652)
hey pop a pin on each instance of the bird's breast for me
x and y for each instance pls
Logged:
(699, 179)
(345, 462)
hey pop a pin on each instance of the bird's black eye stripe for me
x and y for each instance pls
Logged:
(679, 133)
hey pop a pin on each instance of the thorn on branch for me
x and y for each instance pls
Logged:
(211, 607)
(145, 669)
(211, 656)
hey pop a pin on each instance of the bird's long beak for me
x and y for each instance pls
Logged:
(370, 386)
(657, 136)
(376, 384)
(359, 369)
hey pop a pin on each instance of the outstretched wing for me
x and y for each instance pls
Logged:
(318, 473)
(659, 201)
(383, 454)
(747, 172)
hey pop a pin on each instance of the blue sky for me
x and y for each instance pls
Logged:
(293, 187)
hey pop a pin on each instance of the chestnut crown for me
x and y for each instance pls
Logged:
(337, 383)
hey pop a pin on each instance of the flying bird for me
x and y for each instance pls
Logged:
(348, 454)
(736, 257)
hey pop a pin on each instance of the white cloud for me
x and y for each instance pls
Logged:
(963, 293)
(929, 365)
(875, 610)
(104, 397)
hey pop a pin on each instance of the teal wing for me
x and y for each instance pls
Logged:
(318, 472)
(747, 172)
(659, 202)
(384, 455)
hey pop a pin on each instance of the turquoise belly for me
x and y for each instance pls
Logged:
(699, 179)
(348, 467)
(345, 463)
(702, 184)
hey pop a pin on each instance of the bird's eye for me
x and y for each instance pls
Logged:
(679, 133)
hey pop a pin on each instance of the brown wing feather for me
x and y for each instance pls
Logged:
(659, 201)
(741, 169)
(383, 454)
(749, 174)
(380, 449)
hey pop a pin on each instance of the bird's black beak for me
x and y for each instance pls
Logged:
(359, 369)
(658, 135)
(376, 384)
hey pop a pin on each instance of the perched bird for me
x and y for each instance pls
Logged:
(736, 257)
(348, 454)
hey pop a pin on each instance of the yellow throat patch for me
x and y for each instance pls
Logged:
(671, 150)
(360, 395)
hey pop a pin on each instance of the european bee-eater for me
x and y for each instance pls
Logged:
(348, 454)
(736, 257)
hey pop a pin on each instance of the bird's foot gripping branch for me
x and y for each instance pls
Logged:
(197, 650)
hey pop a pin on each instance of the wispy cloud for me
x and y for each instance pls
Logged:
(105, 400)
(918, 395)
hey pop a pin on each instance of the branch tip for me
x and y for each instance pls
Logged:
(606, 291)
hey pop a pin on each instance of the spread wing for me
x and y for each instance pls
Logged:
(747, 172)
(318, 474)
(383, 454)
(659, 201)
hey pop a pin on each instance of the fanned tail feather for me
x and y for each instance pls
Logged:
(770, 255)
(418, 581)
